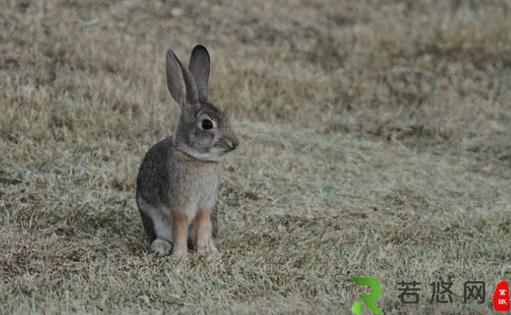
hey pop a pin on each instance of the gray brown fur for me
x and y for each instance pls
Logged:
(178, 177)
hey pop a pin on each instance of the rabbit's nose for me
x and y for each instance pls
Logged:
(235, 143)
(232, 143)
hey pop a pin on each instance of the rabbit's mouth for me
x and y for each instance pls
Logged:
(229, 144)
(221, 150)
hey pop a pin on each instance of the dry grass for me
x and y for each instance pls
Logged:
(376, 140)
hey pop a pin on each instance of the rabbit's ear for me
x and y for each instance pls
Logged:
(180, 82)
(199, 67)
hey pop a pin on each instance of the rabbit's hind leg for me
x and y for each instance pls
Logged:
(161, 247)
(157, 225)
(163, 229)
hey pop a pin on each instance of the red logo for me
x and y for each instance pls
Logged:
(501, 297)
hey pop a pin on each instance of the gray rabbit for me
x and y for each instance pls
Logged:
(177, 184)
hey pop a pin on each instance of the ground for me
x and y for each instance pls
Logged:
(375, 141)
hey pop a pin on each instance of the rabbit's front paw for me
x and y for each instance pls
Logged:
(180, 251)
(206, 247)
(202, 248)
(161, 247)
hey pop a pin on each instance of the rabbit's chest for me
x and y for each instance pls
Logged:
(205, 187)
(197, 189)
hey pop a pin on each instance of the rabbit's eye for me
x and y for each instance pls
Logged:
(206, 124)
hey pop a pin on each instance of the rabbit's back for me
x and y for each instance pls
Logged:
(154, 173)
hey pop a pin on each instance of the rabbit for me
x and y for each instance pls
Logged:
(177, 183)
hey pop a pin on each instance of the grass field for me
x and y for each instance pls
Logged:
(375, 140)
